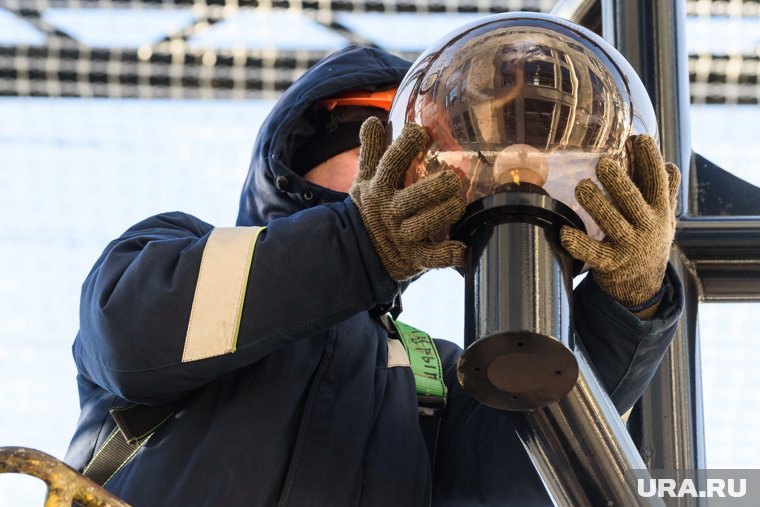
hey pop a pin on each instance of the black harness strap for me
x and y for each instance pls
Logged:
(135, 424)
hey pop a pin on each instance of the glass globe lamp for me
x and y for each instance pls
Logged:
(523, 98)
(522, 107)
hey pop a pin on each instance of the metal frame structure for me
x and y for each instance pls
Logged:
(173, 68)
(718, 257)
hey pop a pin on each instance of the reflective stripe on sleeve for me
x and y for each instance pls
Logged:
(220, 292)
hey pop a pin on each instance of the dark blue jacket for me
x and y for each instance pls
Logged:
(305, 411)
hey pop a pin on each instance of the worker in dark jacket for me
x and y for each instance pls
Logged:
(284, 387)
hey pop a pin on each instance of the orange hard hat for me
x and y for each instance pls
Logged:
(382, 99)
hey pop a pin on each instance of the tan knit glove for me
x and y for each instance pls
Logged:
(638, 220)
(401, 220)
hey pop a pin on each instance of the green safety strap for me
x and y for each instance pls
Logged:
(428, 377)
(425, 363)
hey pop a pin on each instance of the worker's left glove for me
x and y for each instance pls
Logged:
(638, 220)
(401, 220)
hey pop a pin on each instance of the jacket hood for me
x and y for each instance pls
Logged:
(272, 189)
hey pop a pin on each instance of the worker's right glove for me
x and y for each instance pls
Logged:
(638, 219)
(401, 220)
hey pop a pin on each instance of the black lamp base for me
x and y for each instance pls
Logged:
(518, 286)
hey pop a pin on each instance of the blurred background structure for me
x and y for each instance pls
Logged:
(114, 110)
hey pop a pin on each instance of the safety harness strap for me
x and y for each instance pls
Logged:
(135, 424)
(428, 377)
(426, 366)
(114, 454)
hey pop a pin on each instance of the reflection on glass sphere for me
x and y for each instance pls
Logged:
(523, 98)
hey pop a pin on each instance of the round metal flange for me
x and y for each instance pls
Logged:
(517, 370)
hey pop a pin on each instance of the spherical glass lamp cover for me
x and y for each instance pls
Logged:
(523, 97)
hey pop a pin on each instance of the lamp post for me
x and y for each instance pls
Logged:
(522, 107)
